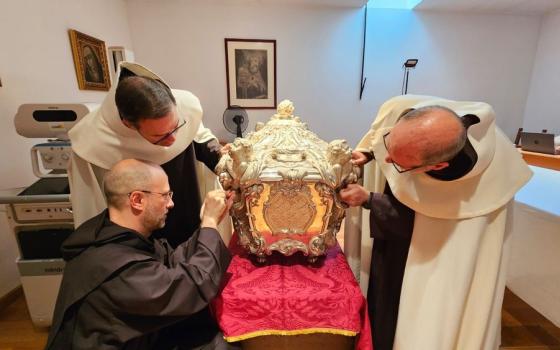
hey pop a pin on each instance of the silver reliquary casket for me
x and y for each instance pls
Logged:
(286, 181)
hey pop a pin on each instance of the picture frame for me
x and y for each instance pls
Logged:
(90, 61)
(251, 73)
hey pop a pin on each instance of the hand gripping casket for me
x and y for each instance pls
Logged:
(286, 181)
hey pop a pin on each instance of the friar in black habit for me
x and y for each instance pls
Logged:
(123, 289)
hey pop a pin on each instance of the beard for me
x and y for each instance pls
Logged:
(154, 219)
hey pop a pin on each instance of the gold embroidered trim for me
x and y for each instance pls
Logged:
(294, 332)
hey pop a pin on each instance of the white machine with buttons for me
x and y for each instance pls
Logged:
(50, 121)
(53, 154)
(41, 215)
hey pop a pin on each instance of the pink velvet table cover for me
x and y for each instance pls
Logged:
(289, 296)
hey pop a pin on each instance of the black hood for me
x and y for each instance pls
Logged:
(93, 253)
(99, 231)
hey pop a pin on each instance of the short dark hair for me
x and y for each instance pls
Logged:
(140, 98)
(434, 155)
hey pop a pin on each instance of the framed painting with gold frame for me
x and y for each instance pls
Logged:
(90, 60)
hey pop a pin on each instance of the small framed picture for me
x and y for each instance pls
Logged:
(251, 73)
(90, 60)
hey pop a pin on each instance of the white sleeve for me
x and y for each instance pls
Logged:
(86, 194)
(203, 134)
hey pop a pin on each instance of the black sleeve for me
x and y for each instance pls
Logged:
(208, 153)
(388, 218)
(152, 289)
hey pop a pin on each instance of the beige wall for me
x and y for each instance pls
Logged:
(462, 56)
(542, 110)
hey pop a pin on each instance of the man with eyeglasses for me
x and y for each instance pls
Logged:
(123, 289)
(443, 179)
(141, 117)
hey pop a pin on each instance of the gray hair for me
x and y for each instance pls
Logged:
(438, 152)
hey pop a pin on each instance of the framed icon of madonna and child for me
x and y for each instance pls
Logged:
(90, 60)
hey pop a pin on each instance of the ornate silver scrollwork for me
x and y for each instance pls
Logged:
(284, 175)
(288, 246)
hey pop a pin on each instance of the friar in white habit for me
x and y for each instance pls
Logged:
(142, 117)
(444, 176)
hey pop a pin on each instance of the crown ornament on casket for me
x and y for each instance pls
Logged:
(286, 181)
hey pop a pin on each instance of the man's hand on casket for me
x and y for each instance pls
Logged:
(360, 158)
(216, 205)
(225, 149)
(354, 195)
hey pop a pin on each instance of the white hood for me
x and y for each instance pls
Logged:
(96, 137)
(474, 194)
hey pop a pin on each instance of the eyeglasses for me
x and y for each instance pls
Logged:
(167, 195)
(398, 168)
(179, 125)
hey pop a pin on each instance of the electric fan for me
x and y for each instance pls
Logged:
(236, 120)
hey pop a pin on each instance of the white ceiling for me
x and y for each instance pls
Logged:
(517, 7)
(340, 3)
(337, 3)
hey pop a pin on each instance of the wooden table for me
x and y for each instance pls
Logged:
(300, 342)
(542, 160)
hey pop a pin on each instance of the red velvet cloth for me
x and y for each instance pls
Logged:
(287, 296)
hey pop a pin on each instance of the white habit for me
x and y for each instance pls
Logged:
(454, 278)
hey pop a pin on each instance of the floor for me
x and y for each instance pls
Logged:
(522, 328)
(16, 329)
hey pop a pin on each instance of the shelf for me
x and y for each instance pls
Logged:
(542, 160)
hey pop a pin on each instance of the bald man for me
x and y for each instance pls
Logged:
(439, 219)
(423, 140)
(122, 289)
